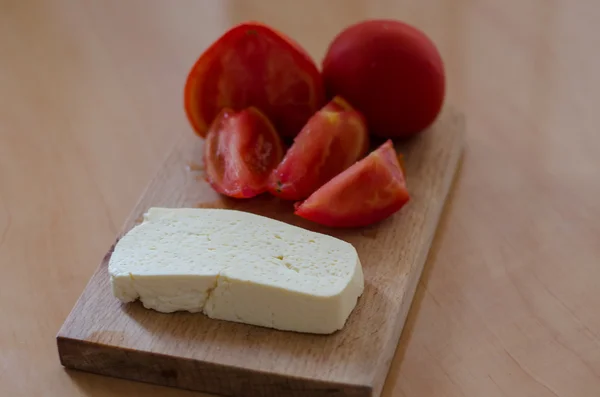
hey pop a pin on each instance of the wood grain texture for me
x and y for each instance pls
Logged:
(194, 352)
(91, 104)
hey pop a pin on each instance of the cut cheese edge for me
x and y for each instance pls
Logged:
(237, 266)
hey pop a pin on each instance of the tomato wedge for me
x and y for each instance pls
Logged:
(240, 152)
(332, 140)
(254, 65)
(368, 192)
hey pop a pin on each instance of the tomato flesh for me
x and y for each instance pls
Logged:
(368, 192)
(332, 140)
(240, 152)
(254, 65)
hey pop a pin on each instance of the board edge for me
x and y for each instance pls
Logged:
(160, 369)
(455, 165)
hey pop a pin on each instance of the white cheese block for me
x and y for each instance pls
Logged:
(237, 266)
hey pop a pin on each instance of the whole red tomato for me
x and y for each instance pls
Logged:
(254, 65)
(391, 72)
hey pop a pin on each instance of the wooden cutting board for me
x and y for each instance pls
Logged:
(191, 351)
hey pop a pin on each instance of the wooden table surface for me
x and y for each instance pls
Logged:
(91, 103)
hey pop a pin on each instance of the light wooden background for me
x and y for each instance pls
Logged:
(509, 305)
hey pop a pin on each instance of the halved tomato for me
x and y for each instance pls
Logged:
(240, 152)
(332, 140)
(368, 192)
(254, 65)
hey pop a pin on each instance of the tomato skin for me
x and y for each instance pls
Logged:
(332, 140)
(240, 152)
(391, 72)
(254, 65)
(369, 191)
